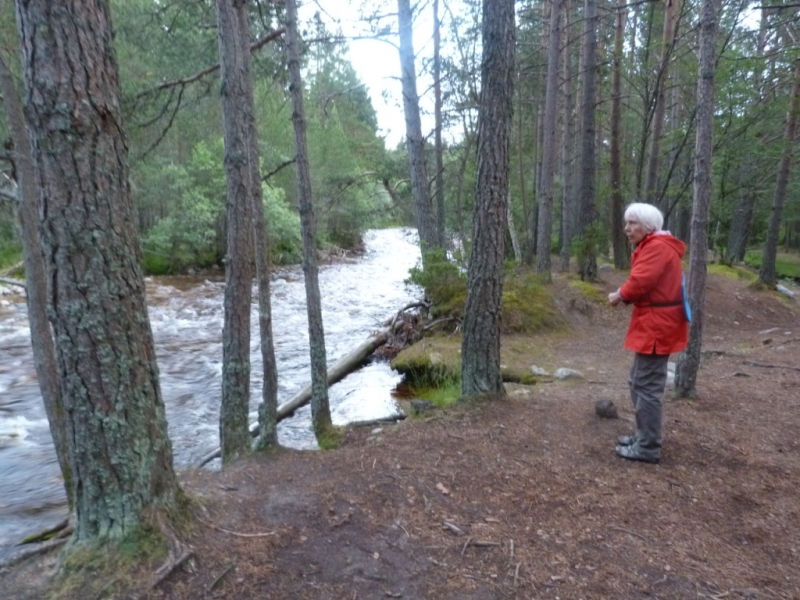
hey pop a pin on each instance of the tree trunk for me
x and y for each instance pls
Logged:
(739, 232)
(467, 141)
(343, 367)
(116, 426)
(647, 98)
(527, 236)
(568, 202)
(740, 225)
(269, 392)
(480, 350)
(415, 144)
(689, 361)
(438, 182)
(544, 236)
(320, 407)
(671, 16)
(587, 214)
(235, 72)
(622, 256)
(766, 274)
(512, 231)
(44, 353)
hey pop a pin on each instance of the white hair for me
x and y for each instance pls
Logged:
(647, 214)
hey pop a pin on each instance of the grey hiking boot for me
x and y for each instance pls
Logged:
(627, 440)
(635, 452)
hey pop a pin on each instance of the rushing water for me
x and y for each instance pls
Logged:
(187, 316)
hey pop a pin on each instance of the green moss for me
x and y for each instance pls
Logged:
(431, 362)
(732, 272)
(330, 437)
(787, 264)
(516, 375)
(107, 569)
(528, 304)
(589, 290)
(445, 395)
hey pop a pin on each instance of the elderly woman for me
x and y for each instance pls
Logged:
(658, 325)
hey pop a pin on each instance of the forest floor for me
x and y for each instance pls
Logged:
(523, 496)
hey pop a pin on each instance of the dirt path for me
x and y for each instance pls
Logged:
(523, 497)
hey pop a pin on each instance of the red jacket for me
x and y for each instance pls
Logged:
(655, 278)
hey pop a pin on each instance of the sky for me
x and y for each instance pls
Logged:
(377, 62)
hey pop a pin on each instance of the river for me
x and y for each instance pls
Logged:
(186, 314)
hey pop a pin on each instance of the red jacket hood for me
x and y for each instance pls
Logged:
(667, 239)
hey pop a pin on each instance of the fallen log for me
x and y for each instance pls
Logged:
(343, 367)
(10, 281)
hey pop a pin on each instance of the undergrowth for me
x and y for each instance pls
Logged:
(527, 304)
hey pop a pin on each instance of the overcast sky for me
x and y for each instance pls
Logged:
(377, 62)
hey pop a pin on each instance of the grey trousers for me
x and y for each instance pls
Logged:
(647, 383)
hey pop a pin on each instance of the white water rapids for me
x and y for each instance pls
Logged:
(187, 315)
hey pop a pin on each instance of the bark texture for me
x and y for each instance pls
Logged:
(766, 274)
(415, 143)
(235, 72)
(568, 201)
(587, 213)
(320, 407)
(689, 361)
(480, 351)
(622, 255)
(672, 11)
(121, 455)
(44, 352)
(544, 236)
(438, 180)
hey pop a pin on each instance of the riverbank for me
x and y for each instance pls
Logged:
(523, 497)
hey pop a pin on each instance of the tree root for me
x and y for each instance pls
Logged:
(63, 529)
(219, 577)
(236, 533)
(165, 571)
(27, 553)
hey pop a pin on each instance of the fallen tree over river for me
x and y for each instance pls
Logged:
(345, 365)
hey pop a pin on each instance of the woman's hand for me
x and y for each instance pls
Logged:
(615, 298)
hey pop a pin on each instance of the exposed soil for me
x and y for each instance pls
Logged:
(523, 497)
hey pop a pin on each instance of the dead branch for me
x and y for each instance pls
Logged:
(257, 45)
(484, 543)
(219, 577)
(10, 281)
(753, 363)
(382, 420)
(439, 321)
(103, 589)
(236, 533)
(452, 527)
(279, 168)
